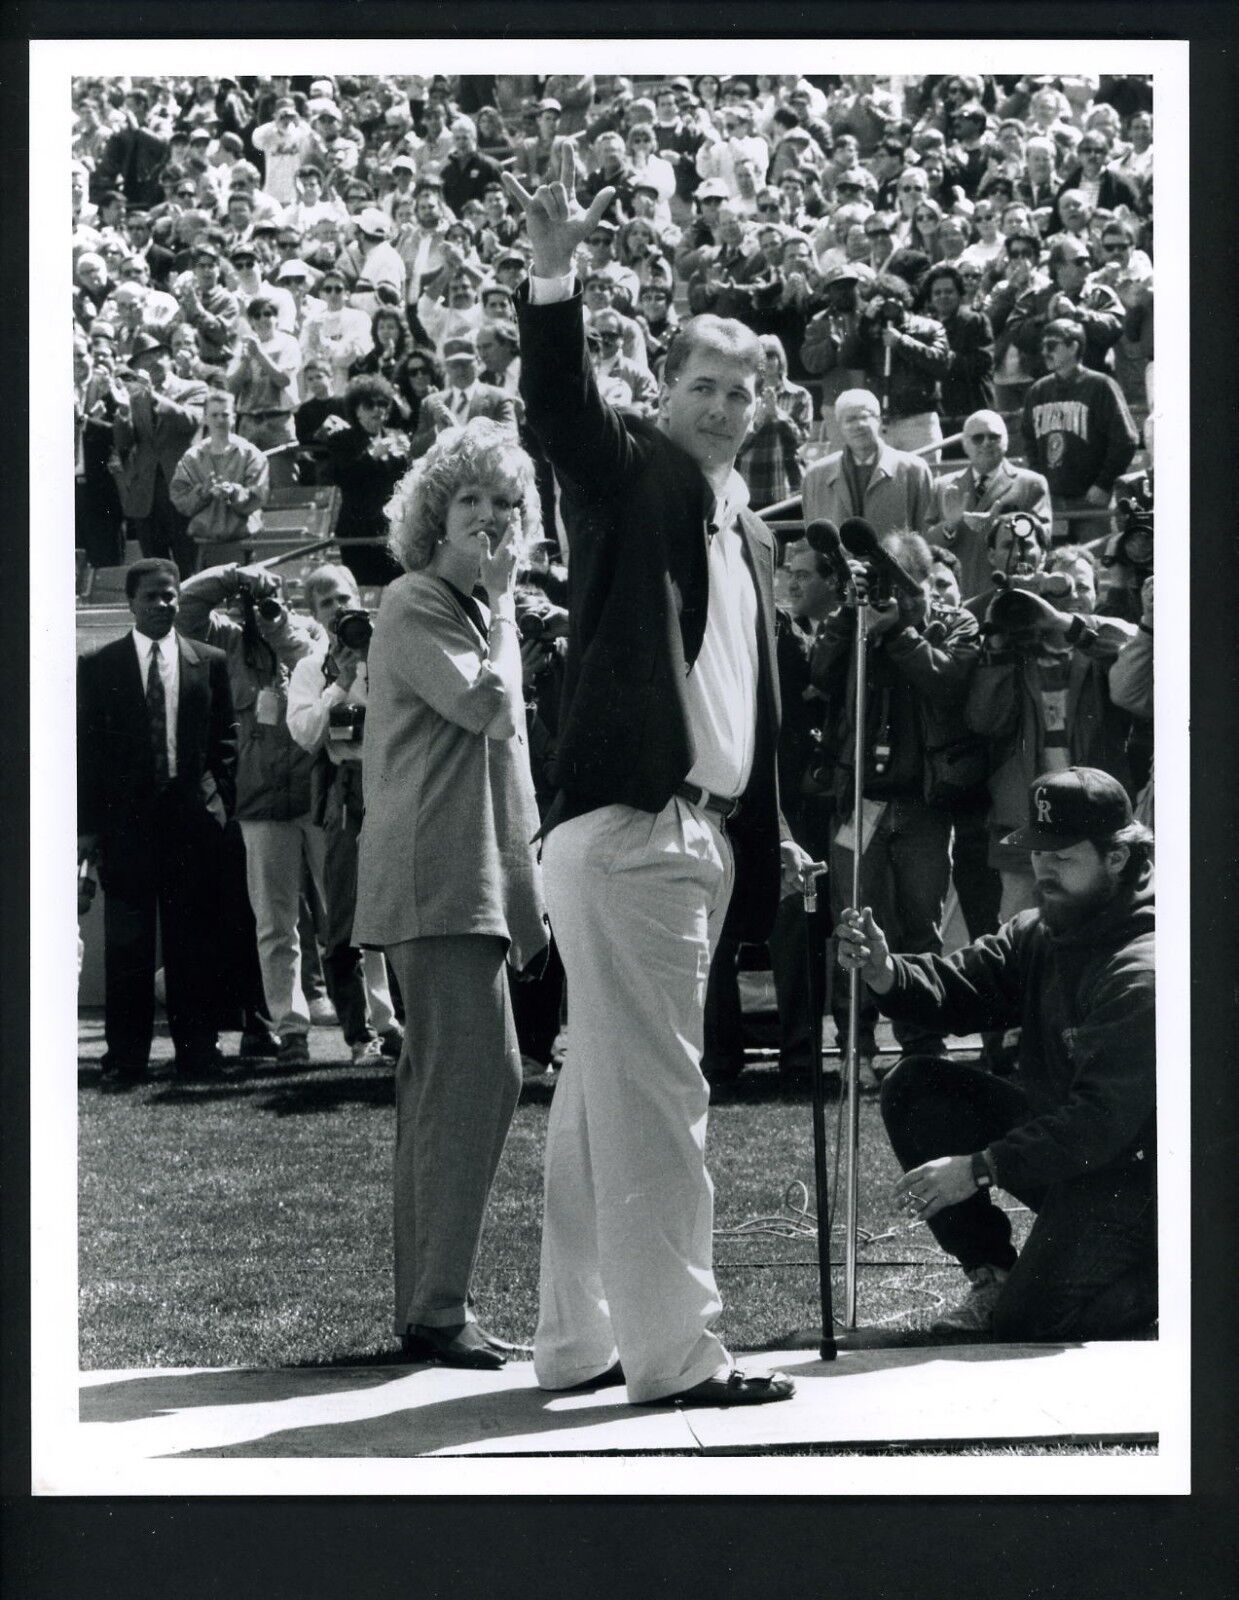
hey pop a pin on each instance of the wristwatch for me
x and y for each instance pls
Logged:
(981, 1174)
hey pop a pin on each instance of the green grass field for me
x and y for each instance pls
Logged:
(248, 1222)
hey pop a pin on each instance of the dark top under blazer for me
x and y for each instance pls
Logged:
(639, 588)
(116, 767)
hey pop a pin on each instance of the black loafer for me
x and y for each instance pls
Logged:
(461, 1346)
(734, 1390)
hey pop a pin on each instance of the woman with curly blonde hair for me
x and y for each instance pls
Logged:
(447, 880)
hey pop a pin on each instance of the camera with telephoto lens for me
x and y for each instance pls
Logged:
(1132, 545)
(353, 630)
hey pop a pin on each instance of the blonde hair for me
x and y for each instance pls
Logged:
(481, 452)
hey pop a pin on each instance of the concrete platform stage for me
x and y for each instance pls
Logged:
(909, 1396)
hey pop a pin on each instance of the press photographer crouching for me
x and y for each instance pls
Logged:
(327, 717)
(1073, 1135)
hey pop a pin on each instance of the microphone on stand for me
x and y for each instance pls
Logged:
(858, 537)
(823, 537)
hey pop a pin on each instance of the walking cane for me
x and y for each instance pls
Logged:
(852, 1068)
(828, 540)
(815, 953)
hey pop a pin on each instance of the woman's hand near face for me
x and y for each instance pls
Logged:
(498, 575)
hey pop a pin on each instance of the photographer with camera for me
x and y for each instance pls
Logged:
(903, 357)
(918, 755)
(326, 717)
(1041, 696)
(221, 484)
(263, 641)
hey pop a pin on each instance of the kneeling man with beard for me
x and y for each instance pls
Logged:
(1073, 1134)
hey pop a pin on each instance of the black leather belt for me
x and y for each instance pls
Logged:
(716, 804)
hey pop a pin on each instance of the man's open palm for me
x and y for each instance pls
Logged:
(556, 223)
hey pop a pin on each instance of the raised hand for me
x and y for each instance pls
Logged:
(555, 222)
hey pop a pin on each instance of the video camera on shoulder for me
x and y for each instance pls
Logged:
(346, 724)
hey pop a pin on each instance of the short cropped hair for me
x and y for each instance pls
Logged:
(322, 578)
(144, 569)
(940, 556)
(259, 304)
(910, 550)
(480, 452)
(724, 336)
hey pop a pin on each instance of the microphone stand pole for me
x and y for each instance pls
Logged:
(852, 1072)
(816, 957)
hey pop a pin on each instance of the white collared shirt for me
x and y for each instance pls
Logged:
(170, 672)
(720, 694)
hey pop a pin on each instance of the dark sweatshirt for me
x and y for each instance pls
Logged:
(1085, 1003)
(1078, 432)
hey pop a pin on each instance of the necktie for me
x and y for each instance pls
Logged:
(982, 481)
(157, 711)
(460, 403)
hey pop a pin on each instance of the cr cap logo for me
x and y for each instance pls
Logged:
(1042, 803)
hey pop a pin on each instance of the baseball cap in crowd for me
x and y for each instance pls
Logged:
(857, 179)
(200, 136)
(324, 108)
(403, 164)
(549, 105)
(205, 252)
(145, 344)
(1066, 808)
(323, 87)
(510, 258)
(460, 345)
(844, 272)
(646, 185)
(231, 142)
(294, 269)
(243, 251)
(372, 222)
(712, 189)
(603, 226)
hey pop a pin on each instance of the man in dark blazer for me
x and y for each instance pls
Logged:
(463, 399)
(157, 754)
(667, 793)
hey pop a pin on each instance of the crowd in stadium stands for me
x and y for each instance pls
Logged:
(310, 279)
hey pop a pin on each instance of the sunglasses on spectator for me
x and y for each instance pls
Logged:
(610, 337)
(1092, 149)
(877, 233)
(769, 210)
(374, 405)
(333, 288)
(1021, 255)
(909, 188)
(264, 316)
(1114, 247)
(983, 438)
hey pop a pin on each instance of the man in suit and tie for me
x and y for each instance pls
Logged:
(464, 398)
(967, 504)
(667, 794)
(155, 424)
(157, 754)
(890, 488)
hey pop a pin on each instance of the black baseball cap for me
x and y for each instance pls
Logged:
(1066, 808)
